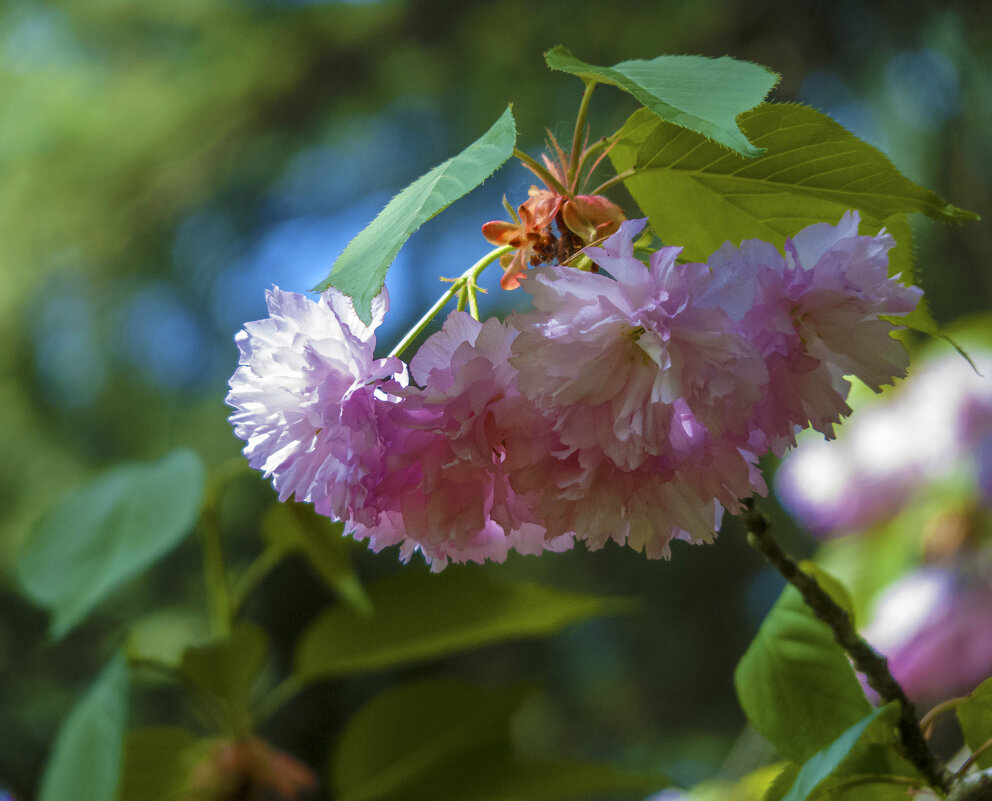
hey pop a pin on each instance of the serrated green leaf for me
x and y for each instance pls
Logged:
(975, 717)
(86, 759)
(795, 683)
(101, 534)
(296, 527)
(158, 762)
(699, 196)
(827, 762)
(443, 740)
(705, 95)
(360, 270)
(228, 668)
(421, 616)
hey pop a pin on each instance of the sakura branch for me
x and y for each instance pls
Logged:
(865, 658)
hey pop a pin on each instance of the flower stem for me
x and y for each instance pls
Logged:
(579, 135)
(865, 658)
(467, 278)
(541, 172)
(612, 181)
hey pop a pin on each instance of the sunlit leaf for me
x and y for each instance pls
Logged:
(158, 762)
(361, 269)
(702, 94)
(698, 195)
(86, 759)
(420, 616)
(975, 717)
(795, 683)
(443, 740)
(296, 527)
(228, 668)
(101, 534)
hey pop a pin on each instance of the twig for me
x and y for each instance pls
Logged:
(865, 658)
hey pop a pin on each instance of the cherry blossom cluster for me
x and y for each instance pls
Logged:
(631, 404)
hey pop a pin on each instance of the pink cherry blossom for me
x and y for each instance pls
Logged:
(461, 452)
(306, 401)
(608, 356)
(650, 393)
(814, 315)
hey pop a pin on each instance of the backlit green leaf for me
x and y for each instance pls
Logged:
(975, 717)
(701, 94)
(361, 269)
(101, 534)
(698, 195)
(795, 683)
(85, 764)
(459, 609)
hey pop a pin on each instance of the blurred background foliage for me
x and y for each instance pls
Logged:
(163, 163)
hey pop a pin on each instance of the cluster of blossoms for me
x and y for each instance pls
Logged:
(631, 404)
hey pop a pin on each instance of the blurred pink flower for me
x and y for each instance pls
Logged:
(935, 627)
(306, 402)
(461, 452)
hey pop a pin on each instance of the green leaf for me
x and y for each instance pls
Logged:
(421, 616)
(497, 777)
(408, 732)
(296, 527)
(828, 761)
(86, 759)
(441, 739)
(795, 683)
(361, 269)
(782, 782)
(705, 95)
(975, 717)
(228, 668)
(101, 534)
(158, 762)
(699, 196)
(163, 635)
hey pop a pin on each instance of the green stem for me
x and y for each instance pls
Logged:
(473, 300)
(865, 658)
(580, 129)
(462, 298)
(278, 697)
(215, 575)
(253, 575)
(623, 176)
(541, 172)
(944, 706)
(467, 277)
(588, 153)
